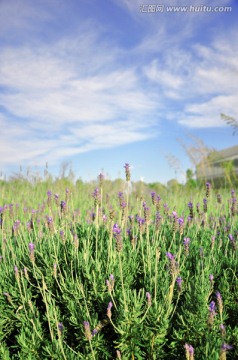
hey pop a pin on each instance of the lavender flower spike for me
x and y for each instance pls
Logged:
(61, 328)
(31, 247)
(87, 331)
(109, 313)
(148, 299)
(127, 170)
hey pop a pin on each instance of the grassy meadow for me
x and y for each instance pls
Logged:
(92, 272)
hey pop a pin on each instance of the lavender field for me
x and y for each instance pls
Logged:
(98, 273)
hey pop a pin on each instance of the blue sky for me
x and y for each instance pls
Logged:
(99, 83)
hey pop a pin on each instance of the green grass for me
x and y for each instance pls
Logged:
(116, 293)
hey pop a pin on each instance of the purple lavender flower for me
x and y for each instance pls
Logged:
(189, 352)
(49, 222)
(232, 240)
(117, 235)
(110, 283)
(179, 281)
(190, 206)
(219, 300)
(158, 220)
(205, 205)
(127, 171)
(61, 328)
(100, 178)
(87, 331)
(226, 347)
(16, 272)
(208, 188)
(173, 265)
(212, 306)
(211, 277)
(63, 206)
(170, 256)
(148, 298)
(31, 247)
(16, 226)
(186, 242)
(223, 329)
(109, 312)
(212, 313)
(94, 332)
(153, 197)
(96, 196)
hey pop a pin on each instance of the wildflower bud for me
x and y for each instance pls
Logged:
(117, 235)
(208, 188)
(158, 203)
(173, 265)
(16, 228)
(16, 272)
(110, 283)
(63, 207)
(26, 273)
(100, 178)
(31, 247)
(158, 221)
(205, 205)
(61, 328)
(191, 213)
(153, 197)
(212, 313)
(189, 352)
(223, 351)
(56, 199)
(49, 199)
(87, 331)
(186, 242)
(9, 299)
(111, 213)
(233, 206)
(179, 283)
(118, 354)
(127, 171)
(96, 196)
(181, 225)
(148, 299)
(109, 313)
(49, 223)
(223, 330)
(219, 300)
(62, 234)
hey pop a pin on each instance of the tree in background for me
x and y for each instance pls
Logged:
(231, 121)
